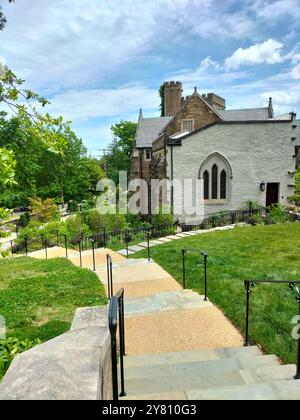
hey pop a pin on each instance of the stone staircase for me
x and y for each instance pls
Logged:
(241, 373)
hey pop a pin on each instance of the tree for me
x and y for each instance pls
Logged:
(43, 211)
(42, 172)
(162, 100)
(120, 150)
(3, 18)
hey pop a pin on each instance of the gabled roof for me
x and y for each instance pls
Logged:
(149, 130)
(255, 114)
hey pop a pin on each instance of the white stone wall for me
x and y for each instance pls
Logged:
(257, 153)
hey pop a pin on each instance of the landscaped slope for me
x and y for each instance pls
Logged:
(261, 252)
(38, 298)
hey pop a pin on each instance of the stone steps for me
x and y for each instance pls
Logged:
(241, 373)
(167, 301)
(191, 356)
(200, 369)
(288, 390)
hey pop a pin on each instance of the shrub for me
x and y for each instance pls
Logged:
(10, 348)
(76, 229)
(43, 211)
(277, 214)
(161, 219)
(111, 222)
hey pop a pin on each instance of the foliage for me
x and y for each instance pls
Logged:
(261, 252)
(111, 222)
(161, 219)
(162, 100)
(295, 198)
(277, 214)
(43, 211)
(10, 348)
(7, 165)
(3, 18)
(76, 229)
(42, 172)
(38, 298)
(118, 157)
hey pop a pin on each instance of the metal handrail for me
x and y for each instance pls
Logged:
(110, 287)
(116, 316)
(250, 284)
(203, 254)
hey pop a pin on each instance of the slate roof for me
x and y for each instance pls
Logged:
(255, 114)
(149, 130)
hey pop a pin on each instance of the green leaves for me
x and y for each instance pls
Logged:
(7, 167)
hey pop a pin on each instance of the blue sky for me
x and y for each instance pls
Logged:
(99, 61)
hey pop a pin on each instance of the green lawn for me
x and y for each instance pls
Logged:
(38, 298)
(261, 252)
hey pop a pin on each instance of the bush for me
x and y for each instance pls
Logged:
(277, 214)
(10, 348)
(76, 229)
(111, 222)
(43, 211)
(161, 219)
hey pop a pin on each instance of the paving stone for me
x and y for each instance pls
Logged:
(151, 244)
(135, 248)
(123, 252)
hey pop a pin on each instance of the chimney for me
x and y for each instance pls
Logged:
(216, 101)
(172, 98)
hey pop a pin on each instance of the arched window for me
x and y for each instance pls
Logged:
(216, 173)
(214, 182)
(223, 184)
(206, 185)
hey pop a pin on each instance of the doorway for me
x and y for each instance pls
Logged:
(272, 194)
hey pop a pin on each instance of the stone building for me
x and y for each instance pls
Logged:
(240, 154)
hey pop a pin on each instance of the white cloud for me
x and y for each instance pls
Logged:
(268, 52)
(296, 72)
(78, 105)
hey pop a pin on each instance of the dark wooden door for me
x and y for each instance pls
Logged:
(272, 194)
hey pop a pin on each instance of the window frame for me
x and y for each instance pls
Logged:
(188, 120)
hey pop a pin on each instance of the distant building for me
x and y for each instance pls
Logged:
(238, 153)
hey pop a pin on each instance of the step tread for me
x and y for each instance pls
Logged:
(213, 379)
(166, 301)
(191, 356)
(276, 391)
(203, 368)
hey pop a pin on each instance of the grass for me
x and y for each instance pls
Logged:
(38, 298)
(256, 253)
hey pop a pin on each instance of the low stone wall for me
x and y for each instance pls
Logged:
(73, 366)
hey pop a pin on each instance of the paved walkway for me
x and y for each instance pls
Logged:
(160, 315)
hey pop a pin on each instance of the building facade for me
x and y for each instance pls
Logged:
(240, 154)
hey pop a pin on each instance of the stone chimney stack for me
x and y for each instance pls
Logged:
(173, 98)
(216, 101)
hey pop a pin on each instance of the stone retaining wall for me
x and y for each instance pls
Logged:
(73, 366)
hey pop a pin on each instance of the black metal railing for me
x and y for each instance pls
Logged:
(293, 285)
(116, 317)
(204, 258)
(109, 268)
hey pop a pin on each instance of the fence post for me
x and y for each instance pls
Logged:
(94, 259)
(148, 247)
(26, 245)
(297, 377)
(12, 248)
(80, 256)
(248, 294)
(122, 343)
(57, 238)
(183, 268)
(205, 274)
(104, 237)
(66, 245)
